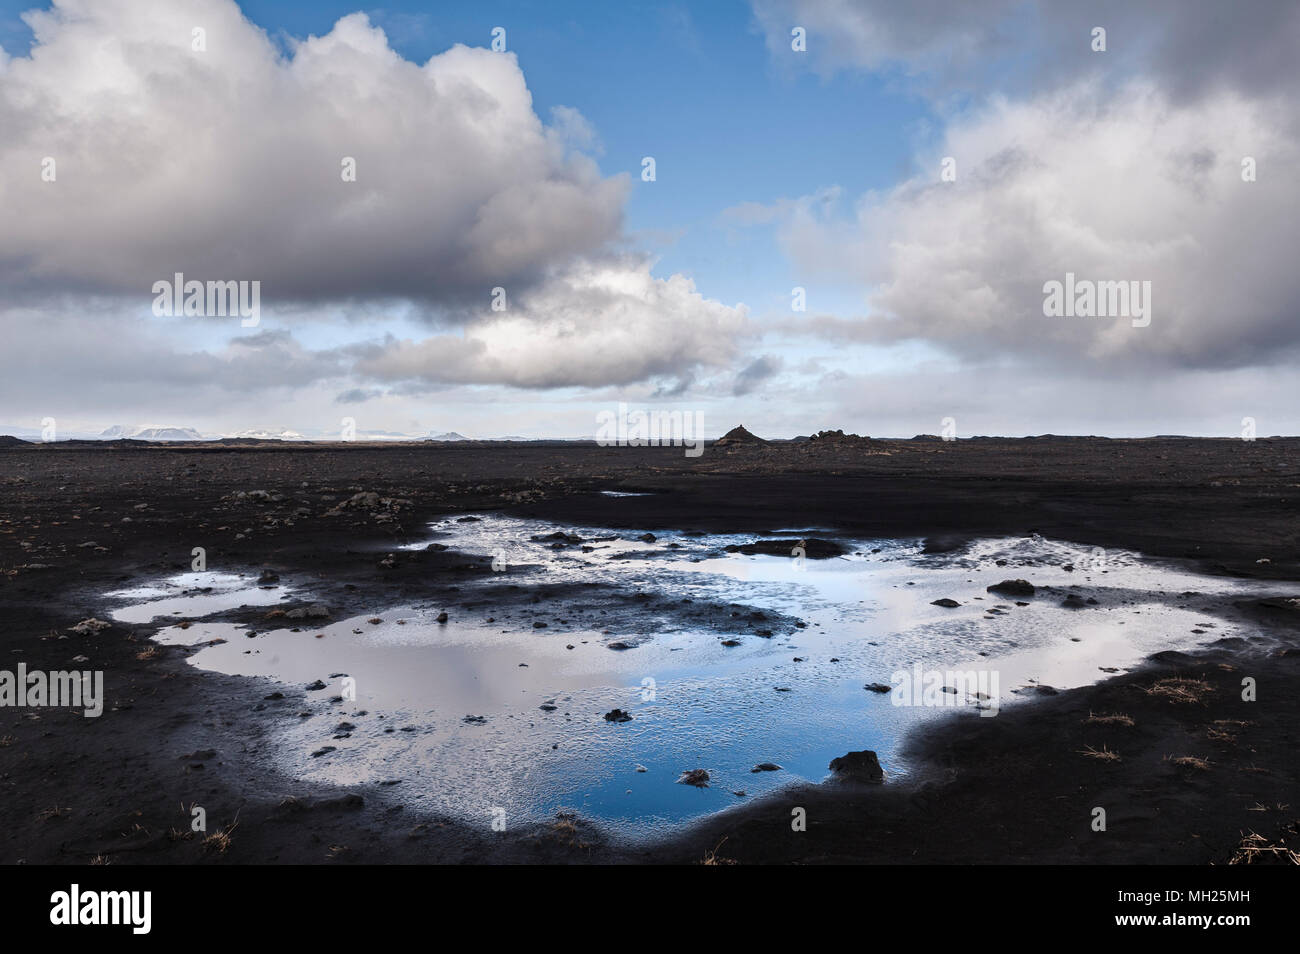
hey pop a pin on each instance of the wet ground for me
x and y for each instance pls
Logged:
(376, 532)
(498, 709)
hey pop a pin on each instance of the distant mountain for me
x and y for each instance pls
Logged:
(447, 436)
(384, 436)
(268, 434)
(150, 432)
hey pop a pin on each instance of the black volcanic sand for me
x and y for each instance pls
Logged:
(1016, 788)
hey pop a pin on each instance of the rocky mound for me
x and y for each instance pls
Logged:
(738, 435)
(838, 437)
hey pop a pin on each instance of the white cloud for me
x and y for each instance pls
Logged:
(1123, 187)
(226, 163)
(594, 324)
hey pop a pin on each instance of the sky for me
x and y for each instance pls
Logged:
(855, 213)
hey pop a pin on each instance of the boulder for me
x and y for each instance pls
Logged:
(859, 766)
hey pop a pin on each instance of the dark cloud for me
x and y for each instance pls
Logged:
(1189, 47)
(755, 373)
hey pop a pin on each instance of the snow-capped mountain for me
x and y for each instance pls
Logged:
(151, 432)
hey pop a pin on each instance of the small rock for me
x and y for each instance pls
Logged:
(1012, 588)
(860, 766)
(315, 611)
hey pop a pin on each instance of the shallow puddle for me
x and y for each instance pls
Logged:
(469, 716)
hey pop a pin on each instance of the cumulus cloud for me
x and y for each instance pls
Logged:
(1125, 188)
(598, 323)
(222, 156)
(1116, 166)
(227, 162)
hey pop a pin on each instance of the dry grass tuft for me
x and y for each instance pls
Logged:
(1256, 849)
(220, 840)
(1114, 718)
(1181, 690)
(712, 857)
(565, 830)
(1190, 761)
(152, 652)
(1104, 754)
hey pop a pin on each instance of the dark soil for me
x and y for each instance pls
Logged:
(1017, 788)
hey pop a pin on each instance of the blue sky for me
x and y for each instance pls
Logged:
(694, 86)
(774, 169)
